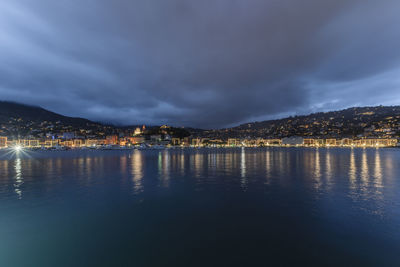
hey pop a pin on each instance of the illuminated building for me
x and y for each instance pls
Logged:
(346, 142)
(273, 142)
(260, 142)
(309, 142)
(216, 142)
(176, 141)
(196, 142)
(250, 142)
(137, 140)
(319, 142)
(381, 142)
(23, 143)
(67, 143)
(47, 144)
(330, 142)
(78, 143)
(93, 142)
(112, 140)
(186, 141)
(138, 131)
(233, 142)
(50, 143)
(204, 140)
(3, 142)
(34, 143)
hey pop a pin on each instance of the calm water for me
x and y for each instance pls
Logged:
(206, 207)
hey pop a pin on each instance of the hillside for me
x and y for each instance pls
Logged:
(365, 121)
(382, 121)
(20, 120)
(15, 111)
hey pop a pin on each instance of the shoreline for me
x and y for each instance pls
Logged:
(177, 147)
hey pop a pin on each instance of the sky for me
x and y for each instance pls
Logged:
(206, 64)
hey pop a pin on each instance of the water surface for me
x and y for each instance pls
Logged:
(201, 207)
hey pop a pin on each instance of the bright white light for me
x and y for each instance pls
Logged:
(17, 148)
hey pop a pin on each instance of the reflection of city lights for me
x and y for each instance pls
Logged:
(328, 165)
(243, 163)
(243, 181)
(317, 166)
(364, 167)
(268, 163)
(137, 171)
(353, 170)
(378, 170)
(18, 178)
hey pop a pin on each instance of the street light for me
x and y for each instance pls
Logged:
(17, 148)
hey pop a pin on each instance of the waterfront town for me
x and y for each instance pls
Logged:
(161, 138)
(35, 128)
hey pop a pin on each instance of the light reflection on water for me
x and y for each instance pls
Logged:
(243, 180)
(268, 165)
(165, 168)
(328, 167)
(378, 170)
(268, 191)
(317, 172)
(366, 170)
(137, 171)
(352, 170)
(18, 178)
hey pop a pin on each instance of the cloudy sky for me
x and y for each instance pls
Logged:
(208, 63)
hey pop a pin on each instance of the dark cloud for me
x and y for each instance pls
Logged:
(199, 63)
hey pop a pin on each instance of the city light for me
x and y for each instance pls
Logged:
(17, 148)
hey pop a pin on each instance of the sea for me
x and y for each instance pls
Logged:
(200, 207)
